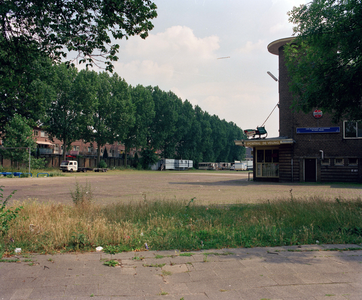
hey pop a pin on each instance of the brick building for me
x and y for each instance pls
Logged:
(84, 152)
(310, 147)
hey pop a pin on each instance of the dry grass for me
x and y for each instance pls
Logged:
(49, 227)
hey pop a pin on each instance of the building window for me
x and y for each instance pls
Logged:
(353, 161)
(36, 132)
(43, 134)
(267, 164)
(352, 129)
(339, 162)
(325, 162)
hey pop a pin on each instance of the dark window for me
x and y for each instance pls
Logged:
(268, 156)
(353, 161)
(260, 156)
(275, 155)
(352, 129)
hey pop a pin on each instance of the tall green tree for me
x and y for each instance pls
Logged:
(188, 132)
(163, 128)
(234, 152)
(113, 112)
(325, 59)
(18, 137)
(143, 118)
(219, 137)
(22, 89)
(85, 31)
(205, 145)
(72, 101)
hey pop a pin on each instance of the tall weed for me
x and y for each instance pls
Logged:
(177, 225)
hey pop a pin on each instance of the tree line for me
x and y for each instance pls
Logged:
(102, 108)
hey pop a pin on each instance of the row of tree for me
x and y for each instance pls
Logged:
(102, 108)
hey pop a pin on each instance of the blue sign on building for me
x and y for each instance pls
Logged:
(318, 130)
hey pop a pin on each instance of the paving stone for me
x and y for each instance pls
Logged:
(313, 278)
(286, 279)
(246, 274)
(203, 287)
(175, 288)
(47, 292)
(178, 278)
(224, 295)
(21, 294)
(175, 269)
(81, 290)
(258, 281)
(285, 292)
(255, 293)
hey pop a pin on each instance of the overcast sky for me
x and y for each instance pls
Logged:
(182, 54)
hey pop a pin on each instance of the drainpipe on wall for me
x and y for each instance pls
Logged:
(322, 154)
(292, 169)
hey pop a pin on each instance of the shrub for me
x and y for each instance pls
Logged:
(82, 194)
(102, 164)
(37, 163)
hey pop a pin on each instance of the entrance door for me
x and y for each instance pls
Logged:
(310, 170)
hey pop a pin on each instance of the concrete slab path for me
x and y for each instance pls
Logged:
(296, 272)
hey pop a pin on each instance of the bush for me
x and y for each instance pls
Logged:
(37, 163)
(102, 164)
(149, 157)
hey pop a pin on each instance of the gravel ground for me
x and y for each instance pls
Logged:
(207, 187)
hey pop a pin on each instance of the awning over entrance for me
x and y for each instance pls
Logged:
(44, 143)
(264, 142)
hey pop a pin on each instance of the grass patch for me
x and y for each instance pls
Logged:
(111, 263)
(187, 254)
(166, 273)
(183, 225)
(154, 265)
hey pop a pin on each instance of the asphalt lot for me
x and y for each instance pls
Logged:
(207, 187)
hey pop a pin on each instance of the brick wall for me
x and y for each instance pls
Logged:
(333, 145)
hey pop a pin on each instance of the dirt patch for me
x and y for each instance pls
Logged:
(125, 186)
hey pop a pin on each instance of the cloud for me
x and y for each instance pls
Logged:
(176, 41)
(253, 46)
(168, 56)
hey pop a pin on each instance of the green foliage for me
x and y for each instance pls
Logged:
(19, 137)
(55, 37)
(71, 103)
(53, 30)
(324, 61)
(37, 163)
(112, 114)
(148, 157)
(82, 195)
(111, 263)
(102, 164)
(113, 249)
(165, 225)
(280, 223)
(144, 114)
(6, 215)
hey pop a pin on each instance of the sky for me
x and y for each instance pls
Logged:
(214, 54)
